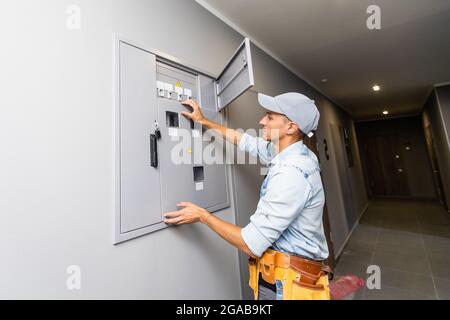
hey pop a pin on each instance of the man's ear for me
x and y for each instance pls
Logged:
(292, 128)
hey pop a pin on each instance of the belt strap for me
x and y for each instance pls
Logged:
(305, 265)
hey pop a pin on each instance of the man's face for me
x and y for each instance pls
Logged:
(274, 125)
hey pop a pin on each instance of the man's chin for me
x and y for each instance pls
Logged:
(264, 135)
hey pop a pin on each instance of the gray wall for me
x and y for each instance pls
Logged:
(436, 113)
(443, 95)
(344, 214)
(56, 168)
(272, 78)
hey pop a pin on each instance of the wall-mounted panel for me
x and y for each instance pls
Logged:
(160, 154)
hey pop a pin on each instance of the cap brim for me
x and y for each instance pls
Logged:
(269, 103)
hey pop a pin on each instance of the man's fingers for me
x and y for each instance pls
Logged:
(173, 221)
(172, 214)
(187, 114)
(188, 103)
(184, 204)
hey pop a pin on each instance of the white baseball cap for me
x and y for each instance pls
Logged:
(296, 106)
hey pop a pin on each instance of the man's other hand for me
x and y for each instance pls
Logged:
(190, 213)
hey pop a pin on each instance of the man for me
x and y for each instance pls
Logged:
(285, 237)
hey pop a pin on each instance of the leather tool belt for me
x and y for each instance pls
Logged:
(308, 271)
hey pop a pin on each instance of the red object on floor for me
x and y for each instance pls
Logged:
(343, 286)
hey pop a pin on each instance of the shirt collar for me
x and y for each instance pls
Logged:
(294, 148)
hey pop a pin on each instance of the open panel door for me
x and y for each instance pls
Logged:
(236, 77)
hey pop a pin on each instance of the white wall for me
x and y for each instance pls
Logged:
(56, 137)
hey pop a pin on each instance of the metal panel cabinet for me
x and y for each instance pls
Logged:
(158, 151)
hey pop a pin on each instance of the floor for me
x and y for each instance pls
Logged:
(410, 242)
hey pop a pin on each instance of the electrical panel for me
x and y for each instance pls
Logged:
(158, 151)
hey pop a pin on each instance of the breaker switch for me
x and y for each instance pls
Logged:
(187, 93)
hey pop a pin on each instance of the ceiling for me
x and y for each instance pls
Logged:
(329, 39)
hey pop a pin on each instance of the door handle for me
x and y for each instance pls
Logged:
(326, 149)
(153, 151)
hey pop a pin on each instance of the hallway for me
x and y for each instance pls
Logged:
(410, 241)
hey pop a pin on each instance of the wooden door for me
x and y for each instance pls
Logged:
(385, 170)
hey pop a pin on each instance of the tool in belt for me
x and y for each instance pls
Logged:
(309, 271)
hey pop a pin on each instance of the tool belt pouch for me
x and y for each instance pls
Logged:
(267, 266)
(253, 268)
(310, 281)
(301, 278)
(304, 291)
(308, 272)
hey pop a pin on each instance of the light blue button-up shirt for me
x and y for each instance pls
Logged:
(288, 217)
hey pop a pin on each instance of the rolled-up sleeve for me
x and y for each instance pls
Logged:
(257, 146)
(287, 194)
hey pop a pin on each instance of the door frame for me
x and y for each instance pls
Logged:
(436, 173)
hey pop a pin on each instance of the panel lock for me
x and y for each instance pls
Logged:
(157, 132)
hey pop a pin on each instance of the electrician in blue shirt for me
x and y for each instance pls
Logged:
(288, 217)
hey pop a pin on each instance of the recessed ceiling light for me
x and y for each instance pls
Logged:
(324, 80)
(376, 87)
(385, 112)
